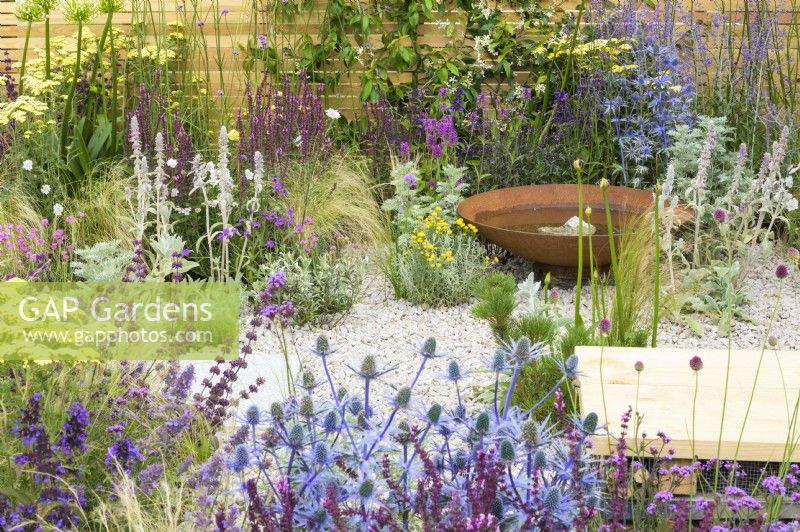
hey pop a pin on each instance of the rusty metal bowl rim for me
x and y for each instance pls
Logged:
(498, 191)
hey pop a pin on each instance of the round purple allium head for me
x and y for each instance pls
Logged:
(639, 366)
(696, 363)
(792, 253)
(720, 215)
(604, 326)
(781, 271)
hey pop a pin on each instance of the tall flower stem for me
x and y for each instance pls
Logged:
(758, 371)
(579, 170)
(657, 265)
(47, 47)
(612, 246)
(24, 56)
(65, 120)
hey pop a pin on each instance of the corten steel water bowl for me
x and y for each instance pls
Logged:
(508, 216)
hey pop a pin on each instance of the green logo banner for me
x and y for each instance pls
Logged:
(122, 321)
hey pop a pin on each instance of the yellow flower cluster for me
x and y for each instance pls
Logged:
(588, 52)
(21, 109)
(153, 53)
(432, 237)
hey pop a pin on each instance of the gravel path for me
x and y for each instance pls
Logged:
(390, 329)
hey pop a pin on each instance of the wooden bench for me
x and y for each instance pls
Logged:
(666, 392)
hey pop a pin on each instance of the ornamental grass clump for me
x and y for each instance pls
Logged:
(331, 457)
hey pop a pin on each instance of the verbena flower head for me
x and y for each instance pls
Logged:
(79, 11)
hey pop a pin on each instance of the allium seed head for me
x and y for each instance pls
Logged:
(604, 184)
(696, 363)
(639, 366)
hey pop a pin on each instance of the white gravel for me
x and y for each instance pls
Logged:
(390, 330)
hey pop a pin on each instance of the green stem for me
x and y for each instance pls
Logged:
(24, 56)
(71, 95)
(47, 47)
(657, 281)
(612, 246)
(114, 90)
(578, 287)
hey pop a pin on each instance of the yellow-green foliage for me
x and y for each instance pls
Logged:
(636, 270)
(338, 196)
(107, 214)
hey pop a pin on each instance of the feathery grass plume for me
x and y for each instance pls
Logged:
(338, 195)
(634, 286)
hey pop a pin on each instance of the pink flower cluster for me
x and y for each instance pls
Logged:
(27, 251)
